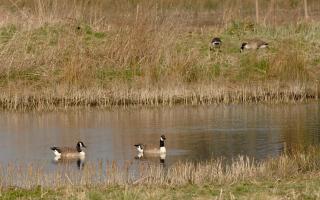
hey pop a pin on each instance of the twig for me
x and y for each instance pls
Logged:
(69, 179)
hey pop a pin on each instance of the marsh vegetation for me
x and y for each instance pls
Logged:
(58, 53)
(102, 53)
(292, 175)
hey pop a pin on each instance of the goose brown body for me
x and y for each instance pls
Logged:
(69, 152)
(254, 44)
(150, 149)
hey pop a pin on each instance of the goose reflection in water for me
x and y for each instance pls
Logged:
(142, 157)
(80, 162)
(163, 159)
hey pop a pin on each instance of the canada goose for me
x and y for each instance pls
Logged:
(253, 44)
(68, 152)
(145, 148)
(215, 43)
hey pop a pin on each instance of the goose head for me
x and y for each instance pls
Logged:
(80, 146)
(139, 147)
(243, 46)
(162, 138)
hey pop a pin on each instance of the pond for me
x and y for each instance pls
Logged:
(194, 133)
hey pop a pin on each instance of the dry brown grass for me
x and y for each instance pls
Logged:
(198, 94)
(289, 65)
(63, 53)
(215, 171)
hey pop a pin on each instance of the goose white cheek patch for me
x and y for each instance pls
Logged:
(263, 46)
(56, 153)
(140, 149)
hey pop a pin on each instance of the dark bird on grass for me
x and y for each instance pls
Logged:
(215, 43)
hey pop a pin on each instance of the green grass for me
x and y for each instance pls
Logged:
(108, 74)
(298, 187)
(253, 67)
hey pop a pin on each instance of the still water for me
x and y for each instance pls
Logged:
(193, 133)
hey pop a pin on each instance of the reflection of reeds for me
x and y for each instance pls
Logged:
(182, 173)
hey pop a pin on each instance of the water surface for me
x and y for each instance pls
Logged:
(194, 133)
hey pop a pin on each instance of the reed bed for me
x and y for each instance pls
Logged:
(215, 171)
(196, 95)
(292, 175)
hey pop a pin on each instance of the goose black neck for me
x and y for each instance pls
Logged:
(161, 143)
(79, 148)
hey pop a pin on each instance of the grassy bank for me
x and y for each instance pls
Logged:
(301, 187)
(60, 54)
(291, 176)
